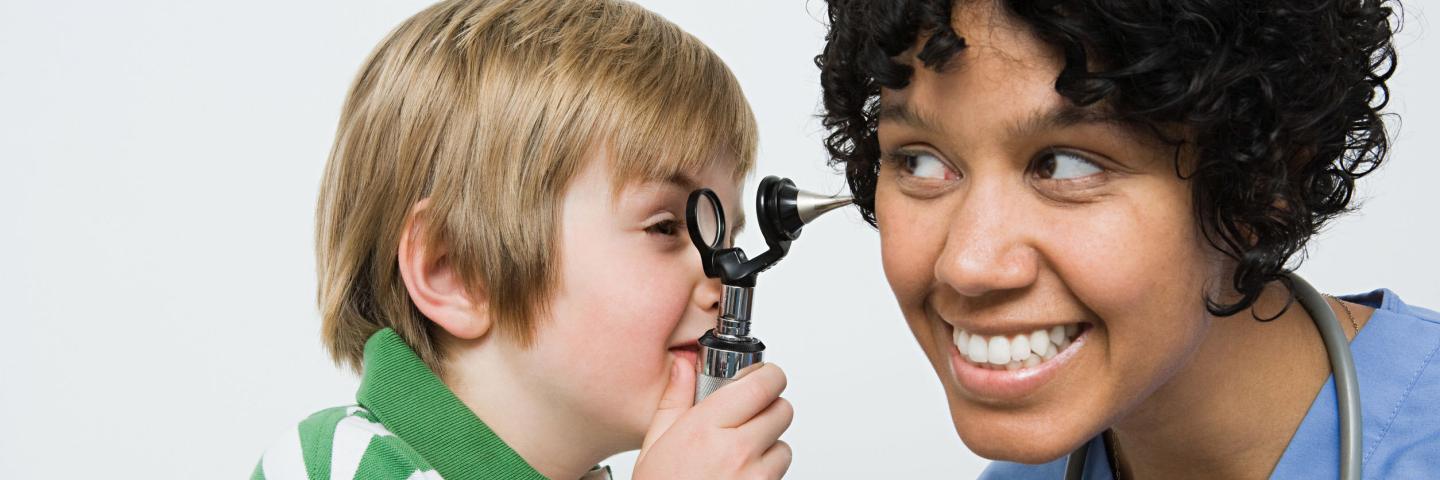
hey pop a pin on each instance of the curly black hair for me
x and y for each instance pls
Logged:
(1280, 100)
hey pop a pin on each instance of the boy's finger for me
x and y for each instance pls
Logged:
(766, 427)
(738, 402)
(678, 397)
(775, 461)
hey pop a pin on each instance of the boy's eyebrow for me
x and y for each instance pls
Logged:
(686, 184)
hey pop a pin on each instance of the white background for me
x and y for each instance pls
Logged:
(159, 163)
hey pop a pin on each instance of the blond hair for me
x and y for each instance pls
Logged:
(488, 108)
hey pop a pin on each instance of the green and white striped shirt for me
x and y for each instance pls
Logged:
(407, 425)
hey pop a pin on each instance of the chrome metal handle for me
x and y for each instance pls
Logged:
(717, 368)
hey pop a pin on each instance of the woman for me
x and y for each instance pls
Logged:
(1086, 210)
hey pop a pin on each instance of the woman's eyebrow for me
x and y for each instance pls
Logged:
(1058, 117)
(902, 113)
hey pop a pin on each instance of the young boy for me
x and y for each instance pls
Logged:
(502, 253)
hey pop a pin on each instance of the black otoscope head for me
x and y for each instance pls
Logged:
(729, 350)
(779, 217)
(783, 211)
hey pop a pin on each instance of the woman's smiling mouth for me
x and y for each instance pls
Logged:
(1013, 352)
(1007, 367)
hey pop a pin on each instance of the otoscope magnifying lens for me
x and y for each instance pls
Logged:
(707, 219)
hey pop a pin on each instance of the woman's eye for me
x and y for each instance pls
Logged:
(1062, 165)
(925, 165)
(664, 227)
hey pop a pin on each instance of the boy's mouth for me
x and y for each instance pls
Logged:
(689, 351)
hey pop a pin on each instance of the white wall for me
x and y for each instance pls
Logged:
(159, 162)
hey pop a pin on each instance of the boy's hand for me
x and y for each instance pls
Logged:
(733, 433)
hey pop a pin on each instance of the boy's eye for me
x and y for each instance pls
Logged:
(925, 165)
(669, 227)
(1063, 165)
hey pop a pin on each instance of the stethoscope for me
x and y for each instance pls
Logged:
(1347, 386)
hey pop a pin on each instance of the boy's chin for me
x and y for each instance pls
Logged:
(627, 436)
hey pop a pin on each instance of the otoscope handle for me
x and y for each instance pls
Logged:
(724, 359)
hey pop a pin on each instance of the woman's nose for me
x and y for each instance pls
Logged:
(989, 246)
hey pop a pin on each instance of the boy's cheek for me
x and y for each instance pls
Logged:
(623, 339)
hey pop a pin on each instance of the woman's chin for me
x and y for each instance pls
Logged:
(1017, 451)
(1013, 441)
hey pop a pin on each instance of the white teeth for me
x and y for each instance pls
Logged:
(1039, 342)
(978, 349)
(1057, 334)
(1019, 348)
(999, 350)
(1013, 353)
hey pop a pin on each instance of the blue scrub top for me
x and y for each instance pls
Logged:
(1395, 358)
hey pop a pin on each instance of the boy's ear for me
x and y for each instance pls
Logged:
(434, 285)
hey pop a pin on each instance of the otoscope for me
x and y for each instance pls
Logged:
(729, 351)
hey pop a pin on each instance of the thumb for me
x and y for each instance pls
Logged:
(679, 396)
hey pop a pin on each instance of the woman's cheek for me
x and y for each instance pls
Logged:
(1139, 270)
(899, 266)
(1124, 252)
(905, 252)
(1106, 272)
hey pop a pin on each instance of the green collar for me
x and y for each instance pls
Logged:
(411, 401)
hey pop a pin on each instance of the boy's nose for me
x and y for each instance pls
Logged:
(707, 294)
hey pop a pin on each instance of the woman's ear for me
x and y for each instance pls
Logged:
(434, 286)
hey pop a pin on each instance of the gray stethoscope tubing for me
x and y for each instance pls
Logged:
(1347, 386)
